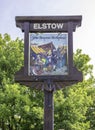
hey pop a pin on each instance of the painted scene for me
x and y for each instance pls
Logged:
(48, 54)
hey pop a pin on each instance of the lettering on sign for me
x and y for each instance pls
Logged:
(52, 26)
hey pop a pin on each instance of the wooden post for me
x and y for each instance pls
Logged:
(48, 109)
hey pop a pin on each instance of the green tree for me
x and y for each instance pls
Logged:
(81, 61)
(72, 103)
(71, 106)
(11, 57)
(21, 108)
(91, 110)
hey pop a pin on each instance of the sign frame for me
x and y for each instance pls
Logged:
(68, 25)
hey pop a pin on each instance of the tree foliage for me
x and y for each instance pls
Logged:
(81, 61)
(11, 57)
(71, 107)
(17, 110)
(21, 108)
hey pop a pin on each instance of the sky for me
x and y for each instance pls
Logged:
(83, 38)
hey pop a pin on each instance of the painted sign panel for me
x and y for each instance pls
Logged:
(48, 54)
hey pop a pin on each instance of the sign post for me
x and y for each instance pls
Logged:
(48, 57)
(48, 108)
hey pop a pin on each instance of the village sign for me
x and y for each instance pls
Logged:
(48, 57)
